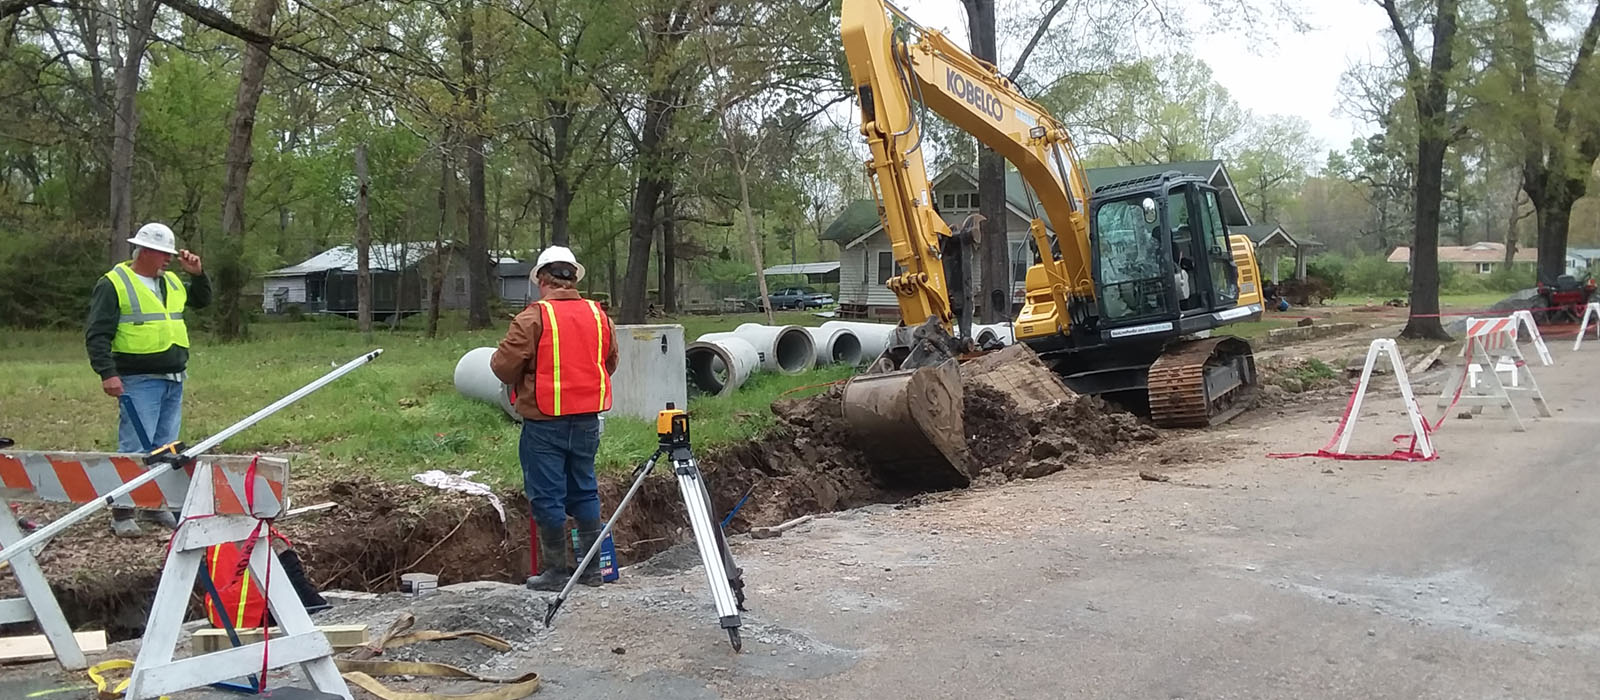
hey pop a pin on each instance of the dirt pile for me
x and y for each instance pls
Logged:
(1006, 443)
(803, 465)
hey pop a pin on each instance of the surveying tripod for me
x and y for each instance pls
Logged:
(726, 579)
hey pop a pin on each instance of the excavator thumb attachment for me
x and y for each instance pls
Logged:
(909, 423)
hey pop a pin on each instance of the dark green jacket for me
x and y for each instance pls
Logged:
(102, 328)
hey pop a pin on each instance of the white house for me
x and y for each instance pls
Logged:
(866, 261)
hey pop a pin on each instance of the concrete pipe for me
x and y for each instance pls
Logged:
(475, 380)
(874, 337)
(784, 349)
(836, 346)
(718, 366)
(984, 334)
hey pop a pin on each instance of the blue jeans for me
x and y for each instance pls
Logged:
(558, 468)
(159, 402)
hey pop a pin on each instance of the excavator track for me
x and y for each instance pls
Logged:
(1200, 383)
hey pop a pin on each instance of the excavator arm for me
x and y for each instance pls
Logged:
(894, 67)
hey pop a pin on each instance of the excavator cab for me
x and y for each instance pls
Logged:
(1163, 257)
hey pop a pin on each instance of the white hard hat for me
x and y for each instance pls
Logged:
(156, 237)
(555, 254)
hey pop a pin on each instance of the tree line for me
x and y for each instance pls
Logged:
(669, 137)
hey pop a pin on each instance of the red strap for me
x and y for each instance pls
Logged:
(249, 547)
(1410, 453)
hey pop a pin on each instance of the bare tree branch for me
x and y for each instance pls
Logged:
(1038, 33)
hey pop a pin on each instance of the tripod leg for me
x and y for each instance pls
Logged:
(735, 575)
(706, 538)
(643, 471)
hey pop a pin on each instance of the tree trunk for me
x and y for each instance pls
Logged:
(994, 274)
(1424, 320)
(125, 123)
(652, 163)
(560, 183)
(232, 273)
(436, 281)
(1555, 214)
(477, 204)
(363, 247)
(755, 237)
(1433, 134)
(669, 253)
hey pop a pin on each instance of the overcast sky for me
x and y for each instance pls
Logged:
(1299, 76)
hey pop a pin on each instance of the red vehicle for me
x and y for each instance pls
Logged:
(1564, 301)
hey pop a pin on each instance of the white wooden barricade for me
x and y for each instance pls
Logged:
(1590, 311)
(1493, 341)
(1385, 346)
(214, 497)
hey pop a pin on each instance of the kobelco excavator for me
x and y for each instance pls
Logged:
(1125, 284)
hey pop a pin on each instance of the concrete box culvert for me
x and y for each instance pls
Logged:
(719, 366)
(873, 337)
(784, 349)
(836, 346)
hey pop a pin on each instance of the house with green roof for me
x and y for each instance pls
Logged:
(866, 261)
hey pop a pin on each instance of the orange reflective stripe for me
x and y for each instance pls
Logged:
(600, 350)
(555, 352)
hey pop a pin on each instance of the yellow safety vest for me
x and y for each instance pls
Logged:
(148, 326)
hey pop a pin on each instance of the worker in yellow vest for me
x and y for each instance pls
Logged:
(558, 356)
(139, 345)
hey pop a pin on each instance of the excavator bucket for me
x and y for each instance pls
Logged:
(909, 423)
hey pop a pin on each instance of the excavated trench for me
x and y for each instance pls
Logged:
(381, 530)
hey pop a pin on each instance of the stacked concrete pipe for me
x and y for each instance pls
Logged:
(836, 346)
(874, 337)
(784, 349)
(719, 365)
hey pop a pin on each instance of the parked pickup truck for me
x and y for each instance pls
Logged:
(798, 298)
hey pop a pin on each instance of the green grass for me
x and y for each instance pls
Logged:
(1471, 302)
(397, 416)
(1255, 330)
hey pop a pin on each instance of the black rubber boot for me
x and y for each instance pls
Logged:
(303, 587)
(553, 569)
(588, 534)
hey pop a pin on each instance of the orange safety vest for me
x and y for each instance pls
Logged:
(242, 602)
(570, 369)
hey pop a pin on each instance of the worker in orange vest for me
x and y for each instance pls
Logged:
(558, 357)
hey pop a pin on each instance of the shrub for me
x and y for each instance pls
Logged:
(1330, 269)
(1373, 275)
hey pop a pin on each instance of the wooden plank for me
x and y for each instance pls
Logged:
(37, 648)
(237, 662)
(16, 610)
(212, 639)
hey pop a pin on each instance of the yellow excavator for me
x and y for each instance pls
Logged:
(1126, 282)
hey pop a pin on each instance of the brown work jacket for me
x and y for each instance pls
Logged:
(513, 361)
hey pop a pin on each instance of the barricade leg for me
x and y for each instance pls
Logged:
(38, 601)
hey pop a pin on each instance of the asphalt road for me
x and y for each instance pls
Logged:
(1248, 577)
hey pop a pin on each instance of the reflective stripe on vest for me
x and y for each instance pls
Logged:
(147, 324)
(570, 368)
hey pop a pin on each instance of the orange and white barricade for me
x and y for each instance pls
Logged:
(1493, 341)
(224, 499)
(1591, 313)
